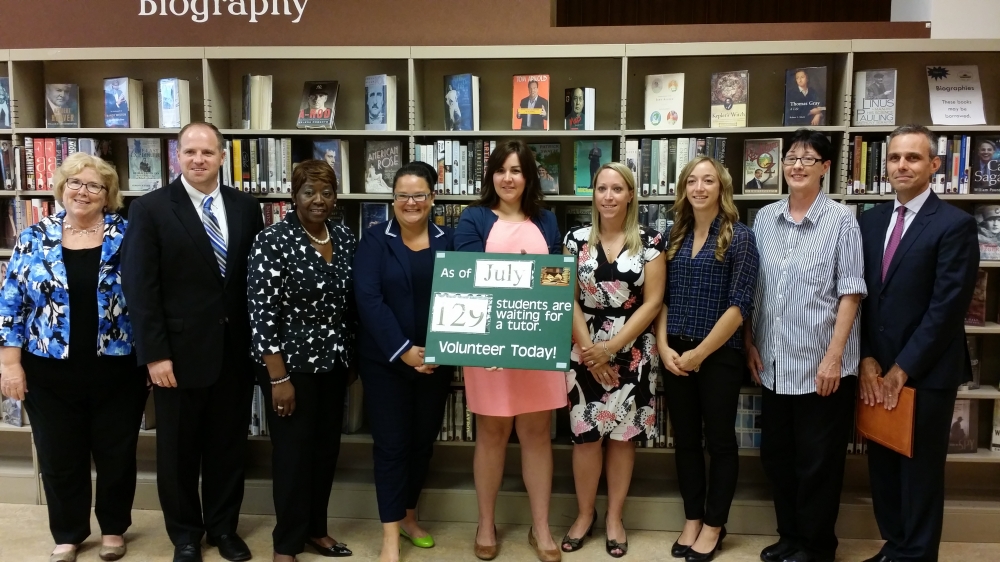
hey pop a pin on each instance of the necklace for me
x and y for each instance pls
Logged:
(609, 247)
(77, 231)
(317, 240)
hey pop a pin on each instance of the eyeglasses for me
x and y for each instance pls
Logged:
(75, 185)
(806, 160)
(416, 197)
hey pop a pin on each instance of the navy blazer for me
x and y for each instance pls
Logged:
(383, 289)
(916, 318)
(476, 222)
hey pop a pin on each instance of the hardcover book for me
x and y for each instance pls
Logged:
(10, 411)
(730, 99)
(382, 159)
(988, 219)
(318, 105)
(62, 106)
(588, 157)
(380, 103)
(956, 95)
(373, 213)
(874, 98)
(547, 157)
(984, 168)
(976, 315)
(580, 109)
(531, 102)
(145, 164)
(964, 434)
(805, 96)
(5, 118)
(123, 103)
(664, 101)
(762, 166)
(972, 342)
(578, 215)
(173, 162)
(173, 102)
(335, 153)
(461, 102)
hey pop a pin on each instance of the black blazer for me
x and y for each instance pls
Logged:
(916, 319)
(383, 288)
(178, 301)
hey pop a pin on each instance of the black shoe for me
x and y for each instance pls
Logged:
(695, 556)
(681, 550)
(799, 556)
(187, 553)
(777, 551)
(231, 547)
(572, 545)
(878, 558)
(338, 550)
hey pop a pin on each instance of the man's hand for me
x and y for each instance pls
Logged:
(161, 373)
(754, 363)
(892, 383)
(828, 375)
(868, 379)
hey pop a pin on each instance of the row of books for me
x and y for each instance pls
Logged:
(20, 214)
(459, 163)
(123, 103)
(32, 166)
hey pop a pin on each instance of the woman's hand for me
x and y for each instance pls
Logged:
(283, 398)
(413, 357)
(669, 358)
(595, 356)
(605, 374)
(12, 382)
(690, 360)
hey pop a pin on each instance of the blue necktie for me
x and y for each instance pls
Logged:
(214, 233)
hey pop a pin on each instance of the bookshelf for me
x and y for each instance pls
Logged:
(617, 71)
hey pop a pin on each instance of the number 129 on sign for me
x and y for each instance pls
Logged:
(461, 313)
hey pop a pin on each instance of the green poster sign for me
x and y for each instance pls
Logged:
(501, 310)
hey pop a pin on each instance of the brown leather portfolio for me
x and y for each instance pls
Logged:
(892, 429)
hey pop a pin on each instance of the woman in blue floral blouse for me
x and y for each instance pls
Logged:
(67, 352)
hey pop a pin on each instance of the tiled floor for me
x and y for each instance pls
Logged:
(24, 537)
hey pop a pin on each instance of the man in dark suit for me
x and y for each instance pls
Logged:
(534, 101)
(757, 182)
(921, 259)
(184, 274)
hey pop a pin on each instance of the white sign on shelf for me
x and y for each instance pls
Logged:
(956, 95)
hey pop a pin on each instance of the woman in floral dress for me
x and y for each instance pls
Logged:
(621, 274)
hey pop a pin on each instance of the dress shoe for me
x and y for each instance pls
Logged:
(187, 553)
(777, 551)
(338, 550)
(419, 542)
(799, 556)
(570, 544)
(231, 547)
(68, 556)
(487, 552)
(110, 553)
(681, 550)
(695, 556)
(878, 558)
(554, 555)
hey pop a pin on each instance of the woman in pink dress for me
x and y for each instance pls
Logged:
(508, 218)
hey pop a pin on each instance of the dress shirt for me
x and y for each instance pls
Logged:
(805, 267)
(218, 207)
(531, 105)
(701, 288)
(912, 208)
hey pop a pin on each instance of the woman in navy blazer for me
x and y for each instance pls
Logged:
(404, 398)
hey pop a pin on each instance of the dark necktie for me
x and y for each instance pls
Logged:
(894, 238)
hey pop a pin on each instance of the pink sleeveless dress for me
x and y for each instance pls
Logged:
(511, 392)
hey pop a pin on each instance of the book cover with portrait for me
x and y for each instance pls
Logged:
(976, 315)
(984, 165)
(62, 106)
(145, 164)
(964, 434)
(805, 96)
(373, 213)
(588, 157)
(988, 220)
(762, 166)
(5, 117)
(173, 162)
(730, 99)
(123, 103)
(664, 104)
(874, 98)
(461, 102)
(382, 159)
(318, 105)
(547, 157)
(580, 109)
(335, 153)
(531, 102)
(380, 103)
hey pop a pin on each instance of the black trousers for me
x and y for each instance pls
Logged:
(803, 447)
(78, 412)
(405, 417)
(908, 493)
(305, 447)
(707, 397)
(203, 430)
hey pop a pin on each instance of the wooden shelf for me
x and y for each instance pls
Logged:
(989, 328)
(81, 131)
(6, 252)
(980, 456)
(512, 133)
(989, 264)
(933, 128)
(334, 133)
(31, 193)
(981, 393)
(775, 130)
(6, 132)
(14, 428)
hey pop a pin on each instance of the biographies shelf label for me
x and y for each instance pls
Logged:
(501, 310)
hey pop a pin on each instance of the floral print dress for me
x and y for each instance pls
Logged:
(609, 294)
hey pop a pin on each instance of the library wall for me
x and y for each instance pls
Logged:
(118, 23)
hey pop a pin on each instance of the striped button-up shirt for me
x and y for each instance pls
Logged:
(805, 267)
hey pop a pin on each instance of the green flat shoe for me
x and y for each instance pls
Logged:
(422, 542)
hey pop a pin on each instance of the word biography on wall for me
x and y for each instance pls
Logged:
(501, 310)
(201, 10)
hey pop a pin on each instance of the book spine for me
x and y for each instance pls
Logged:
(645, 161)
(50, 163)
(254, 167)
(272, 165)
(448, 150)
(866, 157)
(654, 167)
(856, 175)
(942, 152)
(966, 164)
(441, 167)
(886, 188)
(238, 164)
(29, 162)
(286, 144)
(463, 176)
(478, 185)
(470, 156)
(720, 150)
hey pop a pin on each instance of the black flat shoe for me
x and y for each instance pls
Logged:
(576, 544)
(681, 550)
(695, 556)
(231, 547)
(187, 553)
(777, 552)
(338, 550)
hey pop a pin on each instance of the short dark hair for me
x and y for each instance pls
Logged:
(530, 82)
(813, 139)
(914, 129)
(312, 171)
(218, 134)
(531, 199)
(422, 170)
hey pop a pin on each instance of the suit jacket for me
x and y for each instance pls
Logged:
(179, 302)
(537, 121)
(754, 184)
(383, 287)
(916, 318)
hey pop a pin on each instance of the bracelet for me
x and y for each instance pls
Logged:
(610, 355)
(286, 378)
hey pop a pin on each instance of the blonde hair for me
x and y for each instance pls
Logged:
(684, 216)
(633, 241)
(79, 161)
